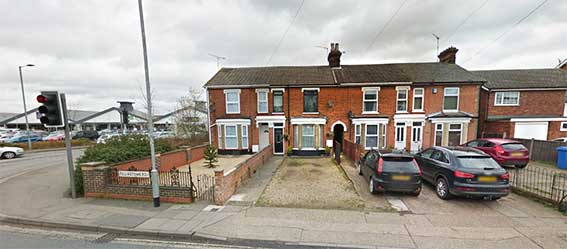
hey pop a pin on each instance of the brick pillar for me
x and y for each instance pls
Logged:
(94, 177)
(219, 187)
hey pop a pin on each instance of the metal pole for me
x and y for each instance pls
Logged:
(155, 180)
(25, 109)
(68, 146)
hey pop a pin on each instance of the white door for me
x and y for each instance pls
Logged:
(264, 136)
(416, 136)
(400, 136)
(529, 130)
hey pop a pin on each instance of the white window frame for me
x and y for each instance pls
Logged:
(398, 99)
(364, 100)
(377, 135)
(435, 134)
(561, 127)
(219, 134)
(460, 130)
(237, 102)
(422, 99)
(303, 135)
(496, 103)
(357, 133)
(274, 99)
(235, 136)
(265, 91)
(451, 95)
(244, 135)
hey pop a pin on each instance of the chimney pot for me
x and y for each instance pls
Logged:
(334, 57)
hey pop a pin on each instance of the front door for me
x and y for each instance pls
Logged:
(278, 141)
(400, 136)
(264, 135)
(416, 136)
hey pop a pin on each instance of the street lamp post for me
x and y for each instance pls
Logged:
(25, 108)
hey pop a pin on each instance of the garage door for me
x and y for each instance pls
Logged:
(529, 130)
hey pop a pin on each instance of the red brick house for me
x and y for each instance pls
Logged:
(404, 106)
(529, 103)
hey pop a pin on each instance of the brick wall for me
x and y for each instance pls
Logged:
(166, 161)
(352, 150)
(96, 181)
(550, 102)
(226, 183)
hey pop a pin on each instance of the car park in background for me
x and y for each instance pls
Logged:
(505, 151)
(390, 172)
(10, 152)
(462, 171)
(54, 136)
(23, 138)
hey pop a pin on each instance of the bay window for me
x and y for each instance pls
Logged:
(230, 137)
(244, 140)
(357, 134)
(371, 137)
(308, 136)
(455, 132)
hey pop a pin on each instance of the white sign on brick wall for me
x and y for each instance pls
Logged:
(135, 174)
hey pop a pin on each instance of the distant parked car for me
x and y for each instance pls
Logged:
(23, 138)
(102, 139)
(54, 136)
(164, 134)
(92, 135)
(561, 139)
(10, 152)
(390, 172)
(462, 171)
(504, 151)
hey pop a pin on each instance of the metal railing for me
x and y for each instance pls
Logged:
(171, 178)
(546, 184)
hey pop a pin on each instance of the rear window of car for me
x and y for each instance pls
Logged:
(404, 164)
(513, 146)
(478, 162)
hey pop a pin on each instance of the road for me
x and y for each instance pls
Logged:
(33, 161)
(22, 237)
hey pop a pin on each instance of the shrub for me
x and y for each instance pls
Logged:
(210, 156)
(118, 149)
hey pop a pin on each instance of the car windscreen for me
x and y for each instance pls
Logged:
(478, 162)
(513, 146)
(404, 164)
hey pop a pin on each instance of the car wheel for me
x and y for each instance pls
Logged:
(521, 166)
(9, 155)
(359, 168)
(372, 186)
(442, 189)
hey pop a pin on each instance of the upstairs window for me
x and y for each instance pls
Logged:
(402, 103)
(370, 100)
(418, 99)
(451, 99)
(507, 98)
(262, 100)
(278, 101)
(310, 100)
(232, 98)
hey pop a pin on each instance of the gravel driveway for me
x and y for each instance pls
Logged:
(310, 182)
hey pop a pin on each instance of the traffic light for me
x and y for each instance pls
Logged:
(51, 111)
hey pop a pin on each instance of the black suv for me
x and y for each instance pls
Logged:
(92, 135)
(461, 171)
(390, 172)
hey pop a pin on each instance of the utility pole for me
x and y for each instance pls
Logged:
(437, 38)
(25, 108)
(68, 145)
(154, 175)
(218, 59)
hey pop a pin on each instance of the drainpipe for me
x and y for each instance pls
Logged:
(288, 120)
(208, 116)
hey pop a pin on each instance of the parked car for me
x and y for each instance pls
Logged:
(462, 171)
(390, 172)
(164, 134)
(54, 136)
(561, 139)
(505, 151)
(10, 152)
(102, 139)
(23, 138)
(92, 135)
(5, 137)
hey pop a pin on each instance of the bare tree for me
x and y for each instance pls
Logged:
(190, 117)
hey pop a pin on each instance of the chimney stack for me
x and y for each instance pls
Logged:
(564, 65)
(448, 55)
(334, 57)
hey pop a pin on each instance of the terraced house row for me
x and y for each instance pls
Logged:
(404, 106)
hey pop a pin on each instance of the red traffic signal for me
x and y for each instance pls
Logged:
(41, 99)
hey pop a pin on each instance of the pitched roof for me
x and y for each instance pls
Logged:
(325, 75)
(524, 78)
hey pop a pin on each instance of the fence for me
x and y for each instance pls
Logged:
(352, 150)
(545, 184)
(171, 178)
(542, 150)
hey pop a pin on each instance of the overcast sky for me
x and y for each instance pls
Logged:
(91, 50)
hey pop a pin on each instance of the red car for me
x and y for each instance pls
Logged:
(504, 151)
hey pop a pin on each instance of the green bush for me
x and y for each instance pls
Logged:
(118, 149)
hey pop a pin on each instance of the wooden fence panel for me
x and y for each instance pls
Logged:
(542, 150)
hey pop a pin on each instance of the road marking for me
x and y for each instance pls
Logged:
(176, 244)
(52, 233)
(397, 204)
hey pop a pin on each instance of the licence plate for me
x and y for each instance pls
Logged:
(400, 178)
(487, 178)
(518, 154)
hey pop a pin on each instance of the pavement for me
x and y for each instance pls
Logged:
(37, 198)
